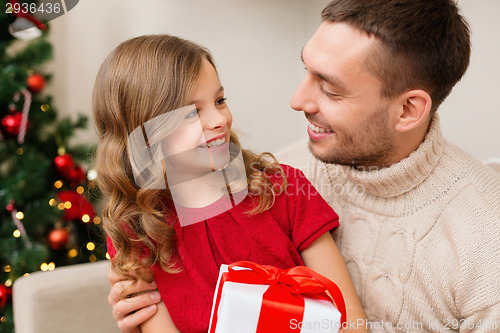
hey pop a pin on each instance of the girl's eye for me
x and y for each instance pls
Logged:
(221, 101)
(191, 114)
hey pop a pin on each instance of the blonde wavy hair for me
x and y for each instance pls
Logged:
(141, 79)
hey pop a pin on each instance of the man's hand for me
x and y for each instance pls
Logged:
(139, 306)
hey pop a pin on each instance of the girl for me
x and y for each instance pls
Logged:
(176, 209)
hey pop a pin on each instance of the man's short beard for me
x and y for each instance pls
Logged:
(371, 145)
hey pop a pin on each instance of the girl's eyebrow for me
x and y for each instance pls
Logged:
(221, 88)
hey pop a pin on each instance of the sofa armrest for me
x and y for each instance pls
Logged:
(67, 299)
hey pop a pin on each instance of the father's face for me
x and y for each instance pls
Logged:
(349, 121)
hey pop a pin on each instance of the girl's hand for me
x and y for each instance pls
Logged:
(324, 257)
(135, 309)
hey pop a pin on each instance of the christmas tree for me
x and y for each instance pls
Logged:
(47, 215)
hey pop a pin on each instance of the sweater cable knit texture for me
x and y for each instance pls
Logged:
(421, 238)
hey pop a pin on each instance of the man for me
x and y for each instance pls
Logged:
(420, 218)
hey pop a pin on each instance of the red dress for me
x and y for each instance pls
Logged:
(275, 237)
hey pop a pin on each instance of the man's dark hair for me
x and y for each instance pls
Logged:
(425, 44)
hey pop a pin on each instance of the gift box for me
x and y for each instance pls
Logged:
(252, 298)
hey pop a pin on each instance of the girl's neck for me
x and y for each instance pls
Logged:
(199, 192)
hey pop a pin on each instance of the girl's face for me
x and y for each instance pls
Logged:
(202, 139)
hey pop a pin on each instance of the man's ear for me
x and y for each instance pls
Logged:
(415, 107)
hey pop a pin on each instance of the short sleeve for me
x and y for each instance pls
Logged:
(309, 216)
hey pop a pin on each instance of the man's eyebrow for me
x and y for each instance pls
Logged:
(333, 80)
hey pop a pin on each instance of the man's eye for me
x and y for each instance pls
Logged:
(330, 94)
(221, 101)
(191, 114)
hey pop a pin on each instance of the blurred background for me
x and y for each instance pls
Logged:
(257, 45)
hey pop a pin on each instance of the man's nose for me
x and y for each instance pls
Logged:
(304, 97)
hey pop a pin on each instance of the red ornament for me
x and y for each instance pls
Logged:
(5, 295)
(64, 164)
(35, 83)
(11, 124)
(79, 205)
(10, 207)
(76, 175)
(58, 238)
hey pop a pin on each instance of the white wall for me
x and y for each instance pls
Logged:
(256, 44)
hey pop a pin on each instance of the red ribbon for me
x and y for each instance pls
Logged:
(283, 301)
(28, 16)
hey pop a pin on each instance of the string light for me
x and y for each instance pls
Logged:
(58, 184)
(16, 233)
(19, 151)
(92, 258)
(8, 283)
(80, 190)
(52, 202)
(108, 256)
(44, 267)
(97, 220)
(20, 215)
(67, 205)
(26, 274)
(91, 175)
(3, 319)
(60, 206)
(72, 253)
(51, 266)
(45, 107)
(7, 268)
(90, 246)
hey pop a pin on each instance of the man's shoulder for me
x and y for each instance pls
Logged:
(294, 153)
(481, 178)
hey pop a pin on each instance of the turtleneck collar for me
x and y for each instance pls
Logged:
(406, 174)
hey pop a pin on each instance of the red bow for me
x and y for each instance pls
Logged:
(283, 301)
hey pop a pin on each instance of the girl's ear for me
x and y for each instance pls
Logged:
(414, 109)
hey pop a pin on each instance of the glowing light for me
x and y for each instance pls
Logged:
(60, 206)
(52, 202)
(16, 233)
(90, 246)
(8, 283)
(20, 215)
(7, 268)
(58, 184)
(67, 205)
(26, 274)
(44, 267)
(97, 220)
(3, 319)
(91, 175)
(92, 258)
(85, 218)
(72, 253)
(19, 151)
(108, 256)
(61, 151)
(45, 107)
(51, 266)
(80, 190)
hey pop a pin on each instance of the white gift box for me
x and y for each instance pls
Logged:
(240, 305)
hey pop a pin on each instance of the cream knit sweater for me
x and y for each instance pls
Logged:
(421, 239)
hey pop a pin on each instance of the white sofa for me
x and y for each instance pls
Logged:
(70, 299)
